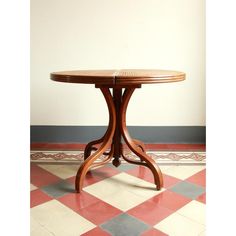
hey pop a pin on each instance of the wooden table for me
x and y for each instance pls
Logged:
(123, 83)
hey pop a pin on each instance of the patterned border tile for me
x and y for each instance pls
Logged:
(176, 157)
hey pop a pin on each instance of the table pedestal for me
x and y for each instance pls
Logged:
(117, 105)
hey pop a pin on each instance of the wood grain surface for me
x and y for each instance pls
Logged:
(118, 77)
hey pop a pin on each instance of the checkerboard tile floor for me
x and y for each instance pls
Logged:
(118, 201)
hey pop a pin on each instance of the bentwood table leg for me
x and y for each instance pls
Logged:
(117, 98)
(106, 142)
(134, 145)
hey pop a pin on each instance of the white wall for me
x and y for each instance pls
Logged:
(115, 34)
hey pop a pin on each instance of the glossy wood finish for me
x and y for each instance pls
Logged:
(148, 76)
(123, 83)
(106, 142)
(118, 77)
(117, 98)
(135, 145)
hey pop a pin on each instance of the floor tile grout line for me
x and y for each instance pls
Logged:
(176, 212)
(43, 226)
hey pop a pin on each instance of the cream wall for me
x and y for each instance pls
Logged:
(115, 34)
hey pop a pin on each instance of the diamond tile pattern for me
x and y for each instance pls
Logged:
(199, 178)
(117, 201)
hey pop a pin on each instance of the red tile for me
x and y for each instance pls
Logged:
(38, 197)
(199, 178)
(40, 177)
(106, 172)
(142, 173)
(153, 232)
(202, 198)
(77, 201)
(150, 212)
(169, 181)
(89, 179)
(71, 180)
(175, 147)
(99, 212)
(170, 200)
(96, 232)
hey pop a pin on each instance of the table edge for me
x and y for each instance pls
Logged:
(116, 79)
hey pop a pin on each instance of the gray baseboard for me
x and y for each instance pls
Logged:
(148, 134)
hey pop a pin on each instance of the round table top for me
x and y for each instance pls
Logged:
(118, 77)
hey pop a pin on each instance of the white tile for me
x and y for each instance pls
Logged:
(112, 185)
(137, 186)
(125, 179)
(123, 186)
(32, 187)
(124, 200)
(178, 225)
(195, 211)
(38, 230)
(165, 167)
(145, 189)
(62, 171)
(183, 172)
(102, 188)
(60, 220)
(203, 233)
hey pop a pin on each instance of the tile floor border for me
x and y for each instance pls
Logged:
(171, 157)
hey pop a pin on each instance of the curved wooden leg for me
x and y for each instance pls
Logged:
(88, 163)
(90, 146)
(140, 145)
(147, 161)
(106, 159)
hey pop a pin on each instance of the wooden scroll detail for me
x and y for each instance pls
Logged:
(140, 145)
(90, 146)
(106, 159)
